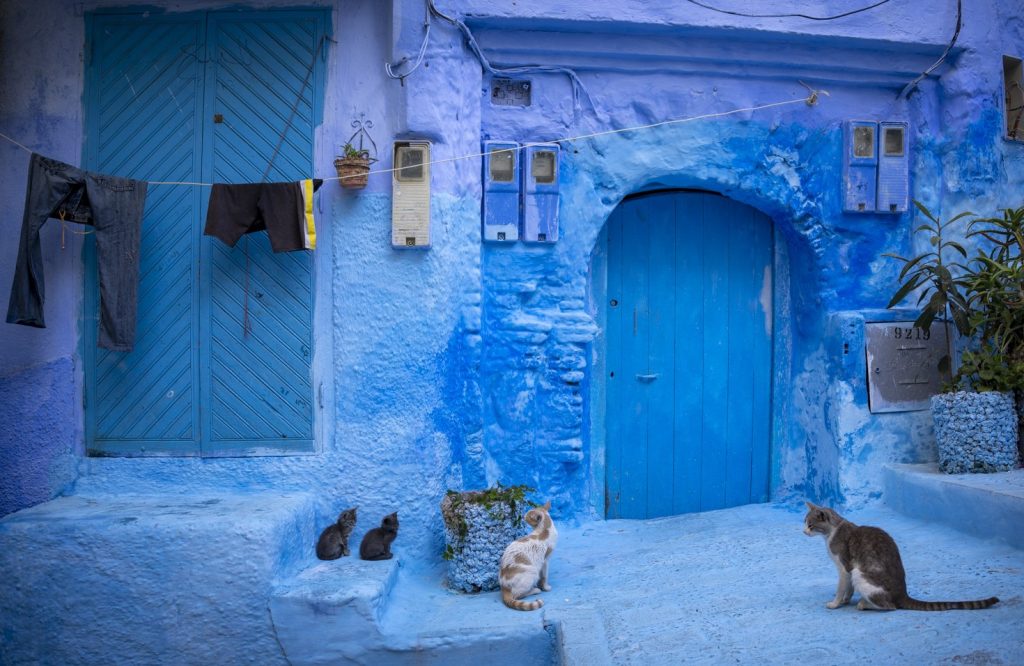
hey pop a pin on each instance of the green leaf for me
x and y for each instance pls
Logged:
(924, 211)
(902, 292)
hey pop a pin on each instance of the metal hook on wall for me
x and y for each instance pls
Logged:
(361, 126)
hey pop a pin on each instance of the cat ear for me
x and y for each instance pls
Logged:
(547, 505)
(810, 505)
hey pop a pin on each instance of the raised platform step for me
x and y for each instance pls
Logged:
(105, 579)
(331, 612)
(989, 506)
(351, 611)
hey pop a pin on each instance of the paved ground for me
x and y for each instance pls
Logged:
(744, 586)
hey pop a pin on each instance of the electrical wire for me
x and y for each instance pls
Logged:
(578, 89)
(811, 99)
(804, 16)
(956, 33)
(389, 68)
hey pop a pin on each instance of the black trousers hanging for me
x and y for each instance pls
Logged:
(113, 207)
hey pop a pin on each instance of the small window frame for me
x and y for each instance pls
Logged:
(1013, 99)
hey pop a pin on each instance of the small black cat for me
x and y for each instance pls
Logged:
(376, 543)
(333, 542)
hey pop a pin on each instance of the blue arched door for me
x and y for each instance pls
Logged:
(689, 355)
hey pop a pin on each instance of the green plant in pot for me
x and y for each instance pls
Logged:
(975, 420)
(353, 167)
(995, 289)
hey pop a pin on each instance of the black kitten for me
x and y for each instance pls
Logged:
(376, 544)
(333, 541)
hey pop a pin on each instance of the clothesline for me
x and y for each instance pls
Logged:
(811, 99)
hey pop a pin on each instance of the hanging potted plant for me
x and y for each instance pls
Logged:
(975, 420)
(353, 167)
(478, 525)
(353, 164)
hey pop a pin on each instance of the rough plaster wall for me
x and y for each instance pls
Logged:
(463, 365)
(784, 162)
(38, 435)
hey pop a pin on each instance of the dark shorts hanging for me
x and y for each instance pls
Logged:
(278, 208)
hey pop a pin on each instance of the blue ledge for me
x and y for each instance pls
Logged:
(989, 506)
(147, 579)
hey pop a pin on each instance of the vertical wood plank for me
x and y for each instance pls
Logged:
(634, 331)
(761, 415)
(613, 413)
(742, 300)
(659, 384)
(689, 329)
(716, 354)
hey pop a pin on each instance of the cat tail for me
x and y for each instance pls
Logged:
(916, 604)
(516, 604)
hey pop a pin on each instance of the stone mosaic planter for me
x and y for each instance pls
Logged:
(975, 432)
(477, 529)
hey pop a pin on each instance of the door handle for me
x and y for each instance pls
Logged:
(647, 378)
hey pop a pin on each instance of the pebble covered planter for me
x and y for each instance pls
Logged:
(975, 432)
(478, 525)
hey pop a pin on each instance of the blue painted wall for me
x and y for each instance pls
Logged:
(467, 364)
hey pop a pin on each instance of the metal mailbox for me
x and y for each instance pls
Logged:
(905, 365)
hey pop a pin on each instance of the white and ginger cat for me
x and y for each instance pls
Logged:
(869, 562)
(524, 564)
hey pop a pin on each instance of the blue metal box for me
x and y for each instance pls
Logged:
(501, 191)
(893, 168)
(860, 165)
(540, 193)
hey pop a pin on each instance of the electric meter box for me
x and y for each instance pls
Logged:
(893, 168)
(540, 192)
(501, 191)
(860, 166)
(410, 195)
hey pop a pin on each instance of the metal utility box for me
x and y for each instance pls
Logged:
(410, 200)
(501, 191)
(540, 192)
(860, 166)
(893, 168)
(905, 365)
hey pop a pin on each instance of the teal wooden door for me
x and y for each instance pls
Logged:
(689, 332)
(204, 97)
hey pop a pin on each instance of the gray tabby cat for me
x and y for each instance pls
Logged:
(868, 560)
(524, 564)
(333, 542)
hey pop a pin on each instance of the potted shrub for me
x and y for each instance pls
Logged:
(995, 288)
(478, 525)
(353, 167)
(975, 420)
